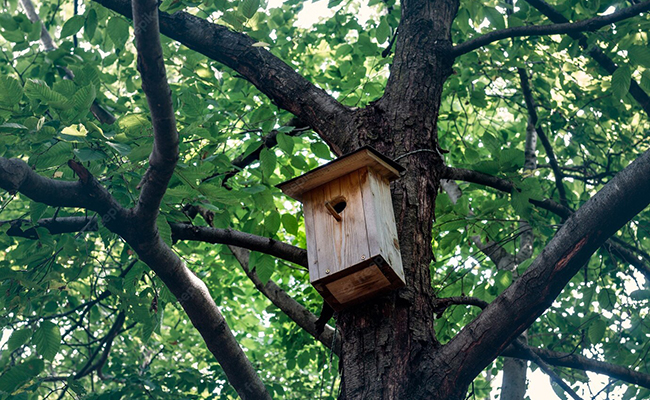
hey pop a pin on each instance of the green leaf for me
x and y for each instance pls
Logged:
(75, 130)
(640, 295)
(85, 155)
(38, 90)
(56, 155)
(267, 162)
(597, 331)
(20, 374)
(272, 222)
(621, 81)
(343, 50)
(640, 55)
(90, 25)
(520, 203)
(8, 23)
(11, 91)
(47, 339)
(264, 267)
(606, 299)
(84, 97)
(18, 338)
(320, 150)
(164, 229)
(383, 31)
(118, 31)
(72, 26)
(495, 18)
(290, 223)
(285, 142)
(36, 210)
(645, 80)
(249, 7)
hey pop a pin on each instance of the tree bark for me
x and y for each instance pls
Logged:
(388, 342)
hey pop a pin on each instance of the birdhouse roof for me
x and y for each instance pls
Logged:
(364, 157)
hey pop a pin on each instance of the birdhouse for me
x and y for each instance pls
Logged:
(352, 243)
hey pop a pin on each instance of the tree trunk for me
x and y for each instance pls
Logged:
(389, 343)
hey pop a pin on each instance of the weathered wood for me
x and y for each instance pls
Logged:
(380, 220)
(366, 156)
(352, 243)
(339, 244)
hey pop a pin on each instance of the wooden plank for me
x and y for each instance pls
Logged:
(339, 244)
(310, 233)
(380, 220)
(358, 284)
(366, 156)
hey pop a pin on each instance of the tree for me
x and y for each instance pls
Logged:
(167, 213)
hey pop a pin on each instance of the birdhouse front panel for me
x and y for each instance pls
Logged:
(352, 242)
(353, 248)
(336, 225)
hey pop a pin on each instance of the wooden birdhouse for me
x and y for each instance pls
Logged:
(352, 243)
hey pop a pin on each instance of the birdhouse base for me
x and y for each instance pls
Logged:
(358, 283)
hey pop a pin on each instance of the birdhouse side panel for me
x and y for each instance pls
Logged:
(340, 238)
(380, 220)
(310, 233)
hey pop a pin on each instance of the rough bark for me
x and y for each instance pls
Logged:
(527, 298)
(387, 342)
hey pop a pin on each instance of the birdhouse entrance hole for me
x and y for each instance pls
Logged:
(336, 207)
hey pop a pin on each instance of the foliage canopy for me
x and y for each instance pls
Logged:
(84, 317)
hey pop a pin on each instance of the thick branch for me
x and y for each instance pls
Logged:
(583, 363)
(17, 176)
(279, 81)
(240, 239)
(527, 298)
(591, 24)
(593, 51)
(164, 155)
(180, 231)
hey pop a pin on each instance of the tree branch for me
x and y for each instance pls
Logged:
(442, 304)
(180, 231)
(527, 298)
(240, 239)
(593, 51)
(591, 24)
(532, 112)
(545, 367)
(294, 310)
(17, 176)
(576, 361)
(503, 185)
(164, 155)
(277, 80)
